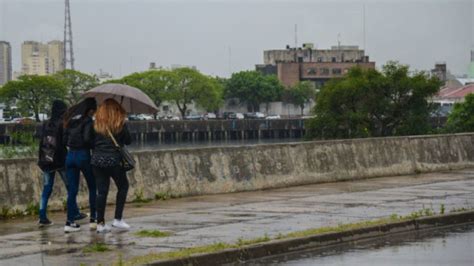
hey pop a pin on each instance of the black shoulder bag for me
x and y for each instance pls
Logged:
(128, 163)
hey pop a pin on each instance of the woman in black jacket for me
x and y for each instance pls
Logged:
(78, 136)
(52, 156)
(107, 162)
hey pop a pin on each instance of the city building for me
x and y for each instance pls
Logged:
(5, 62)
(450, 95)
(440, 71)
(42, 59)
(292, 65)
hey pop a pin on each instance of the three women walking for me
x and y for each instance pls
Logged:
(66, 144)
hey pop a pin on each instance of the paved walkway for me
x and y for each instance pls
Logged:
(225, 218)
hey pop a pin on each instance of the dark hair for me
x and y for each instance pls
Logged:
(82, 108)
(58, 109)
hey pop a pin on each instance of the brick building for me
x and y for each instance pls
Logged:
(292, 65)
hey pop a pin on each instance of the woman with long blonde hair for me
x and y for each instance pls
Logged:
(107, 162)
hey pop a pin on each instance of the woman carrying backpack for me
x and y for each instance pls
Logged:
(52, 157)
(106, 160)
(78, 129)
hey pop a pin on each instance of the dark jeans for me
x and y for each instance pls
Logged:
(102, 176)
(76, 162)
(48, 183)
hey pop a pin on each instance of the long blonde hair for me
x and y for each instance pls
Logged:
(109, 116)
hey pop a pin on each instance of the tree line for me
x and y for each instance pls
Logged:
(32, 94)
(392, 101)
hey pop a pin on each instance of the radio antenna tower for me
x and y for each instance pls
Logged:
(68, 49)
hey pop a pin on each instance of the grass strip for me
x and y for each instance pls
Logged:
(96, 248)
(152, 233)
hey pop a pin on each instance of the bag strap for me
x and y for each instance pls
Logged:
(113, 139)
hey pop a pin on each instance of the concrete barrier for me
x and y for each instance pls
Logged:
(195, 171)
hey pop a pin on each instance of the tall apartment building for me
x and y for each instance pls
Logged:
(292, 65)
(5, 62)
(42, 59)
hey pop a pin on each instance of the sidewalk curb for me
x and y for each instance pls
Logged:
(318, 241)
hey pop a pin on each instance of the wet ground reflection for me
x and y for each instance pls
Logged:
(451, 246)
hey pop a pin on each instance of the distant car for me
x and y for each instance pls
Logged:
(145, 117)
(273, 117)
(260, 115)
(228, 115)
(174, 118)
(23, 120)
(236, 116)
(42, 117)
(193, 117)
(255, 115)
(210, 116)
(133, 118)
(239, 116)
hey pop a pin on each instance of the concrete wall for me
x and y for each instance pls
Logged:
(187, 172)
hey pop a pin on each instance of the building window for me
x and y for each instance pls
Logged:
(333, 59)
(336, 71)
(324, 71)
(320, 59)
(311, 71)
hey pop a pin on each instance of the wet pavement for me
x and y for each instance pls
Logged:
(449, 246)
(226, 218)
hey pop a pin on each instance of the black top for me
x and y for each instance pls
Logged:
(104, 146)
(79, 133)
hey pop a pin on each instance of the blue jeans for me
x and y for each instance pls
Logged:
(48, 183)
(76, 162)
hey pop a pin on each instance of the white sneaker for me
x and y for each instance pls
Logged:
(71, 227)
(103, 228)
(120, 224)
(93, 224)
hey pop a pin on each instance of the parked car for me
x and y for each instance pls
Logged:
(273, 117)
(210, 116)
(42, 117)
(228, 115)
(23, 120)
(256, 115)
(133, 118)
(193, 117)
(145, 117)
(236, 116)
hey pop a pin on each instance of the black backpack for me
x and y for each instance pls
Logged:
(48, 149)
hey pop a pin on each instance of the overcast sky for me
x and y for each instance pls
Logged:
(123, 36)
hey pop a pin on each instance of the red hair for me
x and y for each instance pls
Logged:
(109, 116)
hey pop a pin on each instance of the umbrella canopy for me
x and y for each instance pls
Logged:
(132, 99)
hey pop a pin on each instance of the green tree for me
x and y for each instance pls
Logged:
(461, 118)
(374, 103)
(76, 83)
(155, 83)
(301, 94)
(33, 94)
(194, 87)
(253, 88)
